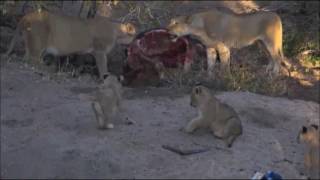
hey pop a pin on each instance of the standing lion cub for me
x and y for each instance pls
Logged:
(107, 101)
(220, 118)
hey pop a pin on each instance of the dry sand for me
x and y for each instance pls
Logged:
(48, 130)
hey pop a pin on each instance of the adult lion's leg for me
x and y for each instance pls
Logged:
(31, 53)
(224, 54)
(35, 56)
(187, 67)
(274, 64)
(211, 60)
(101, 62)
(101, 50)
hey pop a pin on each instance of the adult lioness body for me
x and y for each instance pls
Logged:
(234, 30)
(59, 35)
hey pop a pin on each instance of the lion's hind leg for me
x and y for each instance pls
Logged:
(224, 55)
(274, 65)
(211, 60)
(231, 131)
(101, 117)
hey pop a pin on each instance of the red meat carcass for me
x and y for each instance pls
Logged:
(156, 46)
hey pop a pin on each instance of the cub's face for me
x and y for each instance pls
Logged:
(196, 96)
(308, 134)
(112, 82)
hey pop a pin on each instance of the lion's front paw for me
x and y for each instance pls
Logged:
(188, 129)
(110, 126)
(185, 130)
(104, 127)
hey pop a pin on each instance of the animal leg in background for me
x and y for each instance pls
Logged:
(101, 62)
(211, 60)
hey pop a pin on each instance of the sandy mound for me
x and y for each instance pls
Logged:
(49, 131)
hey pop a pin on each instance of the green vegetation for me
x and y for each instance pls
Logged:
(298, 42)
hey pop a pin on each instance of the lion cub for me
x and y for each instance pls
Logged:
(310, 136)
(107, 101)
(220, 118)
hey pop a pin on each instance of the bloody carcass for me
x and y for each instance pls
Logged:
(158, 46)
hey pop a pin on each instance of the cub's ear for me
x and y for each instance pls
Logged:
(304, 129)
(315, 126)
(128, 28)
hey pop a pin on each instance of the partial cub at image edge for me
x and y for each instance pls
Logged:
(310, 136)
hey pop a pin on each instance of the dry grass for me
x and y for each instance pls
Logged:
(301, 44)
(243, 78)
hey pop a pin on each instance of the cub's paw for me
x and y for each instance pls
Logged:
(104, 127)
(186, 130)
(110, 126)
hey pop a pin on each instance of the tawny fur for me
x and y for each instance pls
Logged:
(310, 136)
(48, 33)
(107, 102)
(220, 118)
(222, 30)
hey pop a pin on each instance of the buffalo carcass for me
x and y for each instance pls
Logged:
(154, 47)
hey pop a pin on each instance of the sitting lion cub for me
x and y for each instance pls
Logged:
(310, 136)
(107, 101)
(220, 118)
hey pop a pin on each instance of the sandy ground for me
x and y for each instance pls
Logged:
(48, 130)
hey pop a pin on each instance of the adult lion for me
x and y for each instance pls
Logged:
(48, 33)
(220, 27)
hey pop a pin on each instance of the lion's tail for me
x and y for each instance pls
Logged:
(279, 39)
(278, 45)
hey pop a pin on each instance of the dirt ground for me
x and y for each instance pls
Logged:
(48, 130)
(48, 127)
